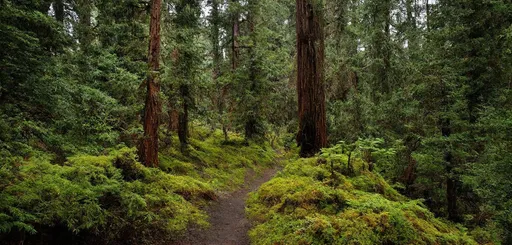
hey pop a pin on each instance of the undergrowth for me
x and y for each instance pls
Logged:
(222, 164)
(114, 199)
(324, 200)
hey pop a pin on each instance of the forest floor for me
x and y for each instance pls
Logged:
(228, 223)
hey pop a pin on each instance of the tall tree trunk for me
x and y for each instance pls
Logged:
(451, 195)
(187, 19)
(215, 38)
(235, 51)
(451, 180)
(222, 90)
(183, 116)
(312, 135)
(252, 129)
(234, 42)
(251, 124)
(386, 52)
(173, 118)
(409, 175)
(149, 147)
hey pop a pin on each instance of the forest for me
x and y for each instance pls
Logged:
(265, 122)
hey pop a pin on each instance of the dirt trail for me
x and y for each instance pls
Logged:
(229, 226)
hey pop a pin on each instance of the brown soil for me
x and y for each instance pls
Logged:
(229, 225)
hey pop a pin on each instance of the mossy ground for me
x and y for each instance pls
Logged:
(311, 202)
(222, 165)
(114, 199)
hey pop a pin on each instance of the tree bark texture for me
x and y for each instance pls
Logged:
(149, 147)
(312, 135)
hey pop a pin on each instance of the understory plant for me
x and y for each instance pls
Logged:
(312, 202)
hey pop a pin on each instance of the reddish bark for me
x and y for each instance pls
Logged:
(312, 135)
(149, 146)
(173, 120)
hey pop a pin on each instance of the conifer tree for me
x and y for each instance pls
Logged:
(149, 147)
(312, 135)
(187, 61)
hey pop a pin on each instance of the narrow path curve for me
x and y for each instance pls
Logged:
(229, 225)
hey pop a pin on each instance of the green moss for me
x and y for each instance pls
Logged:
(175, 166)
(113, 196)
(309, 203)
(223, 165)
(371, 182)
(107, 195)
